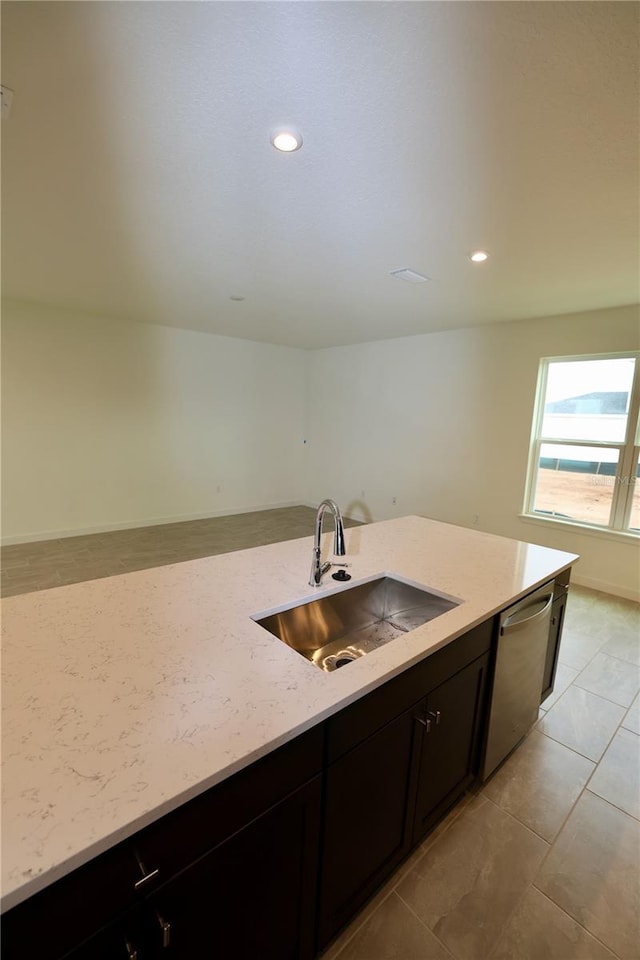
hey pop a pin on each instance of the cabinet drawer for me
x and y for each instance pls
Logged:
(357, 722)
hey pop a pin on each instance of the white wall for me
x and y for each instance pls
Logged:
(109, 424)
(442, 422)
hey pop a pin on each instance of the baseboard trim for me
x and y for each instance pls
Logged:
(603, 586)
(137, 524)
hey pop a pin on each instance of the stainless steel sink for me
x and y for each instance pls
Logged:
(337, 629)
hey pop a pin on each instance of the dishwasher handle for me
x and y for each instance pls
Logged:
(510, 627)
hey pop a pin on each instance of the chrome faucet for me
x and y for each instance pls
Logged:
(317, 567)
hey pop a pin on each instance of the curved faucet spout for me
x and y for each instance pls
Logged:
(317, 567)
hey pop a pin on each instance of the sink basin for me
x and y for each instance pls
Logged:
(333, 631)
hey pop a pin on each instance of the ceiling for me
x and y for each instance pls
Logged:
(139, 181)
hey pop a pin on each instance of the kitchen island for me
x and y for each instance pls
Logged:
(127, 697)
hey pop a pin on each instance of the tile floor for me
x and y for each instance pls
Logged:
(543, 862)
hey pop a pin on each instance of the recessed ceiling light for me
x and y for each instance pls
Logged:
(410, 275)
(478, 256)
(287, 141)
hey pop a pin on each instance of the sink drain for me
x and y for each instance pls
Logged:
(341, 661)
(336, 660)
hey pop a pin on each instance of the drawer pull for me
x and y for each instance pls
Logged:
(148, 876)
(436, 716)
(143, 870)
(165, 928)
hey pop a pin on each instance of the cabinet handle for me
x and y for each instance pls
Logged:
(436, 716)
(132, 953)
(424, 723)
(148, 876)
(165, 928)
(145, 876)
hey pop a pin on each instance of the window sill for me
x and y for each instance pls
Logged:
(573, 526)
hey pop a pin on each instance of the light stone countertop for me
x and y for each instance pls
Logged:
(127, 696)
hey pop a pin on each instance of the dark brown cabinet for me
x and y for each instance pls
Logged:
(450, 742)
(133, 937)
(254, 895)
(273, 861)
(367, 827)
(560, 593)
(396, 763)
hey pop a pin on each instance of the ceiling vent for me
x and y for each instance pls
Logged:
(409, 275)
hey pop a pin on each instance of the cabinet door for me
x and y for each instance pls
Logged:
(367, 828)
(254, 895)
(134, 937)
(553, 648)
(451, 732)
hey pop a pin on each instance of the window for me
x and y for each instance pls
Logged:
(585, 443)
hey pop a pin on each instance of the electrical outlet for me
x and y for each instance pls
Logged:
(476, 518)
(362, 494)
(6, 97)
(218, 488)
(394, 500)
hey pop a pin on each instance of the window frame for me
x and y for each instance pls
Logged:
(629, 452)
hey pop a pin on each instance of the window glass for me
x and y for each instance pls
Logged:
(588, 399)
(576, 483)
(585, 442)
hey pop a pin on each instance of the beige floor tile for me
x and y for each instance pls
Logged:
(540, 783)
(617, 778)
(396, 877)
(582, 721)
(393, 932)
(626, 644)
(579, 645)
(539, 930)
(564, 677)
(611, 678)
(335, 949)
(581, 604)
(468, 883)
(592, 873)
(632, 719)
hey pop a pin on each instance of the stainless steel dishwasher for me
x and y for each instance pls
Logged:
(523, 636)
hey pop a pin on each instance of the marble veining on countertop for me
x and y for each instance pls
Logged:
(127, 696)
